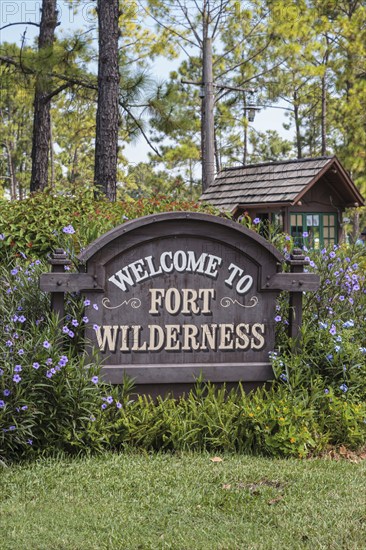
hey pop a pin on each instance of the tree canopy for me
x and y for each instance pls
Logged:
(306, 58)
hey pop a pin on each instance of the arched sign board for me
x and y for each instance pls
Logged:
(176, 296)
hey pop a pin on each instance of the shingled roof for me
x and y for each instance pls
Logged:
(274, 183)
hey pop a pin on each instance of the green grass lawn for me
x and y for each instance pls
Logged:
(132, 501)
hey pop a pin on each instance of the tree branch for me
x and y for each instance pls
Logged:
(139, 126)
(20, 23)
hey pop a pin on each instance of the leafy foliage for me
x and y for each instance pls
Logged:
(34, 226)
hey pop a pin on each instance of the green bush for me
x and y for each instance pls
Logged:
(34, 226)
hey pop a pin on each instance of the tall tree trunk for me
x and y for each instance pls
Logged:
(41, 120)
(245, 133)
(298, 136)
(324, 116)
(324, 100)
(11, 169)
(106, 143)
(52, 158)
(217, 153)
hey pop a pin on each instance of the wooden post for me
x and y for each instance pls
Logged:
(297, 262)
(58, 261)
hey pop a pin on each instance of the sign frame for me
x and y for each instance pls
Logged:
(131, 240)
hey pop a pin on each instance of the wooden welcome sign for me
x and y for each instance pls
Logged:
(179, 295)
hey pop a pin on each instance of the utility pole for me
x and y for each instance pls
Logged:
(207, 128)
(207, 111)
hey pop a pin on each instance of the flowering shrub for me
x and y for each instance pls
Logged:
(47, 387)
(329, 361)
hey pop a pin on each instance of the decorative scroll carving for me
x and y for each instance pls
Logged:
(226, 301)
(134, 302)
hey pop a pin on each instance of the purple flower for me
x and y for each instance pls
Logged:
(104, 406)
(9, 343)
(71, 334)
(109, 399)
(305, 234)
(95, 306)
(86, 302)
(30, 441)
(74, 323)
(2, 403)
(343, 387)
(35, 366)
(22, 319)
(332, 254)
(85, 319)
(49, 361)
(17, 368)
(333, 330)
(96, 327)
(283, 377)
(256, 221)
(6, 393)
(25, 408)
(326, 390)
(95, 379)
(118, 405)
(2, 236)
(68, 229)
(1, 372)
(49, 374)
(16, 378)
(65, 329)
(14, 271)
(12, 428)
(46, 344)
(278, 318)
(21, 352)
